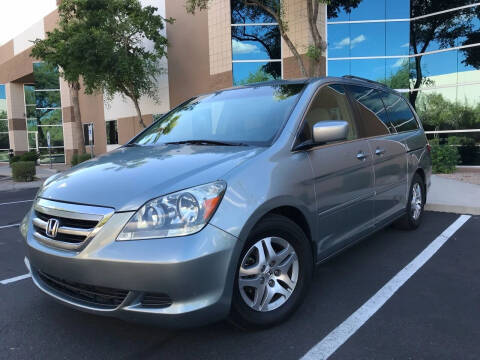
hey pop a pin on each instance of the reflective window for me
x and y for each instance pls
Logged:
(86, 138)
(251, 72)
(49, 116)
(256, 49)
(338, 12)
(43, 113)
(46, 77)
(373, 117)
(331, 103)
(369, 10)
(338, 40)
(4, 139)
(56, 136)
(338, 67)
(251, 115)
(112, 132)
(438, 69)
(47, 99)
(29, 94)
(242, 14)
(367, 39)
(397, 9)
(400, 117)
(255, 42)
(397, 73)
(373, 69)
(397, 38)
(57, 155)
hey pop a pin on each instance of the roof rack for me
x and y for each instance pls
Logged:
(364, 79)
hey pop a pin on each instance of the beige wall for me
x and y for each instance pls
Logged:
(188, 53)
(17, 126)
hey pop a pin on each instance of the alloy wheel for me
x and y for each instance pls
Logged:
(268, 274)
(417, 201)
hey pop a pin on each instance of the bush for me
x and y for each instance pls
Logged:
(461, 140)
(79, 158)
(28, 156)
(444, 158)
(23, 170)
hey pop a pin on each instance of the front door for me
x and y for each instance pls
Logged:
(343, 174)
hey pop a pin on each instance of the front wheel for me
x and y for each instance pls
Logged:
(273, 273)
(416, 202)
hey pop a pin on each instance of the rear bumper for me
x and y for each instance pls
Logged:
(196, 272)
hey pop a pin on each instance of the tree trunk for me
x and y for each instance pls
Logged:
(419, 77)
(295, 53)
(139, 113)
(77, 123)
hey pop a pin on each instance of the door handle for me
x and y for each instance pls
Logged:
(379, 151)
(361, 155)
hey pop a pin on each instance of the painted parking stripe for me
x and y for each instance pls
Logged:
(15, 202)
(345, 330)
(14, 279)
(8, 226)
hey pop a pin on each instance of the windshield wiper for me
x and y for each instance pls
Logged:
(206, 142)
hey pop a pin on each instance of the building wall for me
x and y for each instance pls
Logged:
(188, 53)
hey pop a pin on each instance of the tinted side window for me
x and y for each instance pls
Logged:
(330, 103)
(373, 117)
(399, 114)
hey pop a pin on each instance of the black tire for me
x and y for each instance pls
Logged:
(244, 316)
(408, 221)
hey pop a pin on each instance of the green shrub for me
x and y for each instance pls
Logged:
(23, 170)
(444, 158)
(29, 156)
(79, 158)
(14, 158)
(460, 140)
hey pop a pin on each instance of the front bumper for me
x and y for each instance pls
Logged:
(196, 272)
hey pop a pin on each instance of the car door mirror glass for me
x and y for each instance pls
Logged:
(328, 131)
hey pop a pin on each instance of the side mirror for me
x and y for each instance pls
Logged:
(328, 131)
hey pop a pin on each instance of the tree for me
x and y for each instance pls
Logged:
(102, 44)
(276, 10)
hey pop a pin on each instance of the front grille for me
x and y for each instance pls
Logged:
(156, 300)
(92, 295)
(74, 225)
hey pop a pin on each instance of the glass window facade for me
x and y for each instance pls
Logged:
(430, 51)
(256, 44)
(4, 141)
(43, 112)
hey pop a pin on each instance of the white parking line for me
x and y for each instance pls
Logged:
(14, 279)
(15, 202)
(8, 226)
(345, 330)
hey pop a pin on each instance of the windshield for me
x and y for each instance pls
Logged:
(251, 116)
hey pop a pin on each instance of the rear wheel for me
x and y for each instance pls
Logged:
(416, 202)
(273, 273)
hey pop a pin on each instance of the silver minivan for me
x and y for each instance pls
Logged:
(223, 206)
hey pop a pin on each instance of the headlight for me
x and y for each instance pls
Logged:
(182, 213)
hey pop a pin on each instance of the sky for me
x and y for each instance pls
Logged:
(18, 15)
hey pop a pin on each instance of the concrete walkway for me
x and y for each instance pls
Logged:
(43, 172)
(447, 195)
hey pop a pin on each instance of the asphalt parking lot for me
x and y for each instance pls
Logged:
(435, 313)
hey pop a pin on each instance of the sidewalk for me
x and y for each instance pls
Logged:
(43, 172)
(448, 195)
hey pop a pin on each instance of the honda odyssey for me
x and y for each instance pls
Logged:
(223, 206)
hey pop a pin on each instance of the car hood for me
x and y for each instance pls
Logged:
(126, 178)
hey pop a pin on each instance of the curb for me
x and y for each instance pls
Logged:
(456, 209)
